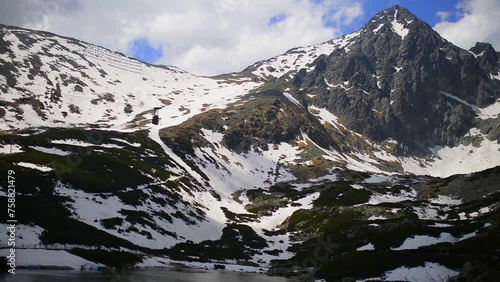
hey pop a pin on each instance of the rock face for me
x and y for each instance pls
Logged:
(400, 79)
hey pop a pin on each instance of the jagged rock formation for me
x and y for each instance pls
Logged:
(388, 82)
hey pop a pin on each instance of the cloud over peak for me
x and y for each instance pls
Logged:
(203, 37)
(477, 22)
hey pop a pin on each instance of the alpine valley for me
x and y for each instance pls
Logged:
(375, 155)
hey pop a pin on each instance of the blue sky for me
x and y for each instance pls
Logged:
(426, 10)
(222, 36)
(144, 51)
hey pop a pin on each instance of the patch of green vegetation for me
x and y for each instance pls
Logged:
(101, 174)
(238, 242)
(50, 213)
(91, 170)
(133, 198)
(468, 188)
(341, 193)
(137, 217)
(368, 264)
(111, 223)
(236, 196)
(238, 217)
(318, 167)
(481, 249)
(346, 228)
(264, 203)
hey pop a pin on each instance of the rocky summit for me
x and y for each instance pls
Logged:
(398, 79)
(374, 155)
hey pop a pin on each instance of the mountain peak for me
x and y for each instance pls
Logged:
(398, 19)
(400, 13)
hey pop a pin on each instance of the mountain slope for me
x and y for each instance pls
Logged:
(59, 82)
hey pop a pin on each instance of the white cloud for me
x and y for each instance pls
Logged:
(478, 22)
(203, 37)
(443, 15)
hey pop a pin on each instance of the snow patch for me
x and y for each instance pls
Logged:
(74, 142)
(429, 272)
(378, 28)
(27, 257)
(491, 111)
(456, 160)
(375, 217)
(26, 235)
(367, 247)
(8, 149)
(35, 166)
(292, 99)
(325, 116)
(418, 241)
(388, 198)
(137, 145)
(398, 27)
(52, 151)
(477, 55)
(446, 200)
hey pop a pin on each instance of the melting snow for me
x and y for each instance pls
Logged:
(383, 155)
(428, 213)
(325, 116)
(35, 166)
(495, 76)
(52, 151)
(446, 200)
(292, 99)
(126, 142)
(7, 149)
(367, 247)
(377, 179)
(387, 198)
(75, 142)
(46, 258)
(456, 160)
(378, 28)
(418, 241)
(491, 111)
(398, 27)
(429, 272)
(244, 171)
(299, 58)
(26, 235)
(375, 217)
(270, 222)
(478, 55)
(91, 208)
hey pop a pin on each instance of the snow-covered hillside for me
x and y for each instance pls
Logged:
(298, 58)
(61, 82)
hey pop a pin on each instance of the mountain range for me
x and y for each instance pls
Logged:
(379, 149)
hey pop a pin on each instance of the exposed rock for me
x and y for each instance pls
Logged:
(388, 86)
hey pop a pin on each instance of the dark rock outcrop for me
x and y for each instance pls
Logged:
(389, 83)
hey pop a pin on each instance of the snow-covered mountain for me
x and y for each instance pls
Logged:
(51, 81)
(250, 167)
